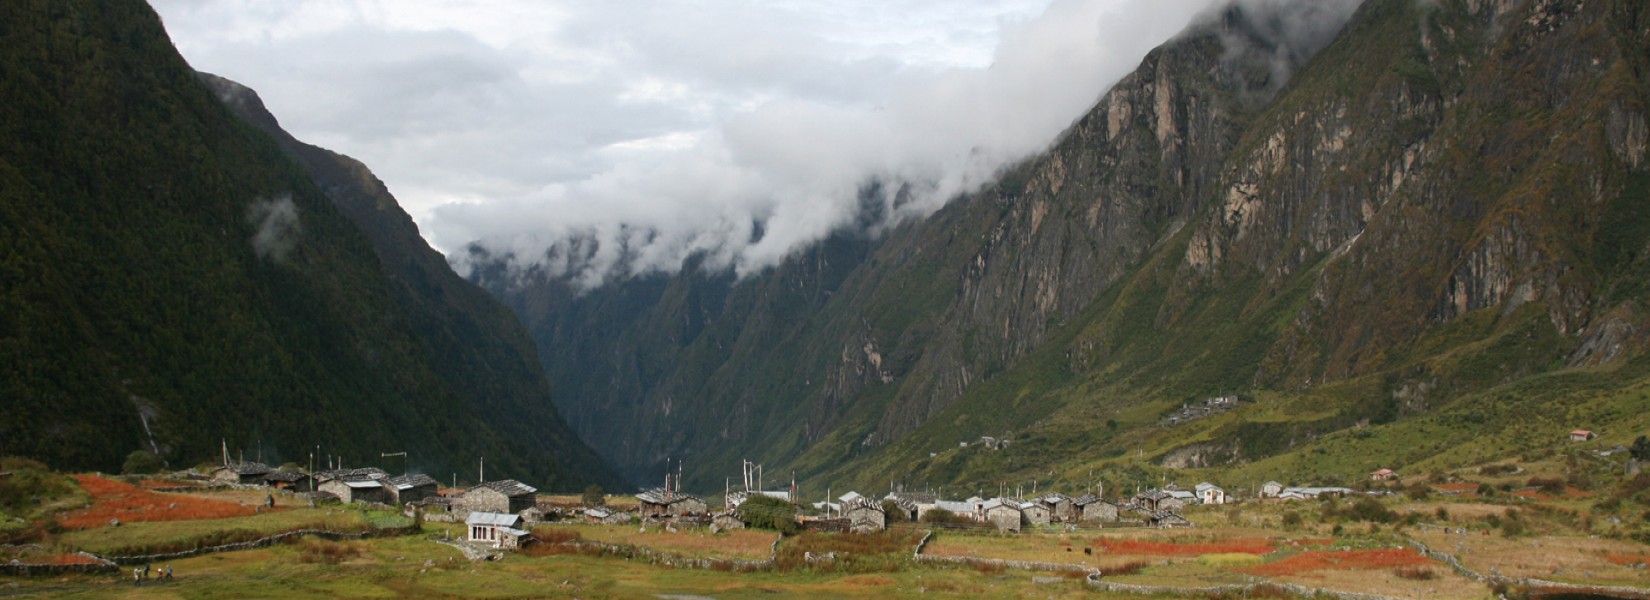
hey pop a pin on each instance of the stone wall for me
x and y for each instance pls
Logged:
(258, 543)
(47, 570)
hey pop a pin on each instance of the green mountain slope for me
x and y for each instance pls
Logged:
(1394, 240)
(170, 269)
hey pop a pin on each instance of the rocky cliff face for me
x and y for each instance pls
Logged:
(1242, 213)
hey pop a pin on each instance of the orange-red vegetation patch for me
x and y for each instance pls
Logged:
(129, 503)
(1256, 546)
(165, 483)
(1627, 559)
(1346, 560)
(73, 559)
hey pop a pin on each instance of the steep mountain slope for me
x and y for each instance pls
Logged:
(1441, 209)
(169, 269)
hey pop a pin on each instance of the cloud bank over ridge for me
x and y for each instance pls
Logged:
(602, 140)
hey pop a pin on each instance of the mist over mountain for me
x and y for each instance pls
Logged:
(1367, 220)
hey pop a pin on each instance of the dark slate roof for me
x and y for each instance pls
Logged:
(1085, 500)
(361, 474)
(662, 496)
(403, 482)
(862, 503)
(249, 468)
(915, 497)
(508, 487)
(284, 476)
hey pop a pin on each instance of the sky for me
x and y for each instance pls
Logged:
(601, 139)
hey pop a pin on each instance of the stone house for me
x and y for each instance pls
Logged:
(242, 472)
(726, 520)
(290, 480)
(864, 515)
(1156, 501)
(1060, 507)
(408, 489)
(662, 503)
(1036, 513)
(1091, 509)
(504, 496)
(1271, 489)
(1006, 516)
(1582, 435)
(354, 485)
(1383, 475)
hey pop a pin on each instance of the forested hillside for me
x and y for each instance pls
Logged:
(171, 277)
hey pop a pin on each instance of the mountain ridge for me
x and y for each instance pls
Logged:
(1327, 246)
(174, 281)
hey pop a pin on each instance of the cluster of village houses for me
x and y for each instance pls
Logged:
(497, 513)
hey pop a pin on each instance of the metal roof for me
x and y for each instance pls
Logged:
(492, 519)
(954, 507)
(364, 483)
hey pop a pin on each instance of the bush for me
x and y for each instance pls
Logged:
(894, 512)
(316, 551)
(1418, 491)
(593, 496)
(1549, 485)
(1291, 519)
(1443, 514)
(1366, 508)
(940, 515)
(766, 512)
(1415, 573)
(142, 462)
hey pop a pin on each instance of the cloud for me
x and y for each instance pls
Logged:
(277, 227)
(604, 139)
(794, 168)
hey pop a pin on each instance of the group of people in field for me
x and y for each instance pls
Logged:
(162, 574)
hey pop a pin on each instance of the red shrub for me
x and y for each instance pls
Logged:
(129, 503)
(1321, 560)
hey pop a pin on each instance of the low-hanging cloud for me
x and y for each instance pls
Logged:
(792, 171)
(604, 140)
(275, 227)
